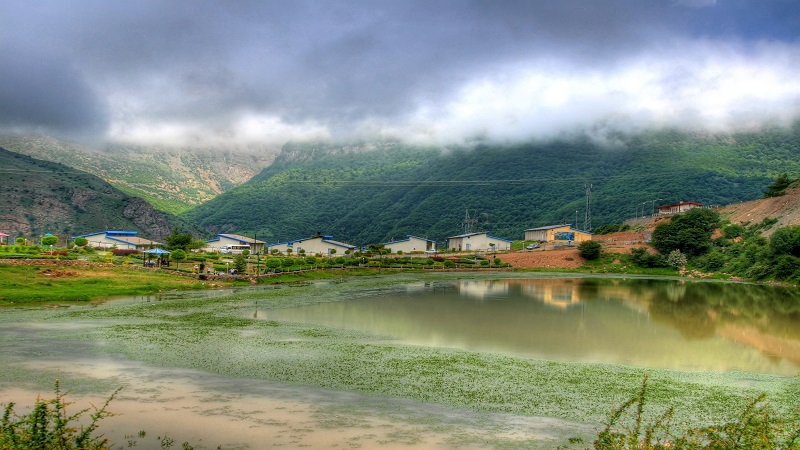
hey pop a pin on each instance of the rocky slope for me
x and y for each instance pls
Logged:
(38, 197)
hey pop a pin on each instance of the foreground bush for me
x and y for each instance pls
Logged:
(48, 426)
(758, 427)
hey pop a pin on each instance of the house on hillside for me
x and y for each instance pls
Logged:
(477, 242)
(316, 245)
(678, 208)
(124, 240)
(558, 234)
(410, 244)
(234, 244)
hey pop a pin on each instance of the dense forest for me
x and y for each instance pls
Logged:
(364, 194)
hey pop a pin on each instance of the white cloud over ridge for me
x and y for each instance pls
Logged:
(265, 72)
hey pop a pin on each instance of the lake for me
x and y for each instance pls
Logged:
(426, 361)
(698, 326)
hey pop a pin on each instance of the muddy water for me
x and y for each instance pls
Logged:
(208, 411)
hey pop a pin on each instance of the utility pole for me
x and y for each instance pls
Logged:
(470, 222)
(587, 223)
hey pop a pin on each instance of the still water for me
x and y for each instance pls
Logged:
(696, 326)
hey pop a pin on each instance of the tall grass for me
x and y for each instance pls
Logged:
(758, 427)
(49, 426)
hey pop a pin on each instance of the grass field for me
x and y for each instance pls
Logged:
(37, 284)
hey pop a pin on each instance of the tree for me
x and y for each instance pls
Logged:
(786, 241)
(49, 239)
(689, 232)
(590, 250)
(179, 240)
(240, 264)
(178, 255)
(81, 241)
(778, 187)
(20, 240)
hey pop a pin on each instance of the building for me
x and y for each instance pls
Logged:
(3, 239)
(315, 245)
(234, 244)
(477, 242)
(558, 234)
(124, 240)
(411, 244)
(678, 208)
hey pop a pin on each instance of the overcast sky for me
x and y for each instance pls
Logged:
(208, 72)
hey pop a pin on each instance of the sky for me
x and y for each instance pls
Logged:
(208, 73)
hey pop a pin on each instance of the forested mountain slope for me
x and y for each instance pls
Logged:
(366, 194)
(38, 197)
(171, 179)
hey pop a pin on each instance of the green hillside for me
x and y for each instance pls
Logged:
(169, 178)
(38, 197)
(371, 195)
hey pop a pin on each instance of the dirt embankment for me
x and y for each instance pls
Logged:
(785, 208)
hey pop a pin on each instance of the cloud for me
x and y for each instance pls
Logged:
(247, 71)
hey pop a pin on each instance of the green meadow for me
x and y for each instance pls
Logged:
(46, 283)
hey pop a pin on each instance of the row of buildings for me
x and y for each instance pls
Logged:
(325, 244)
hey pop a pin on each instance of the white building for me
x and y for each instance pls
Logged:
(234, 244)
(410, 244)
(316, 245)
(124, 240)
(477, 242)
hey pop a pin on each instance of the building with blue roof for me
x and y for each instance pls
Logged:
(125, 240)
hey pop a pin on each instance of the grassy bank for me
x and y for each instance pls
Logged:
(48, 283)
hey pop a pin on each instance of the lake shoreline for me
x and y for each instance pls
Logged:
(216, 336)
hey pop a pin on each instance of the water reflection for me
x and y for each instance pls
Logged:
(650, 323)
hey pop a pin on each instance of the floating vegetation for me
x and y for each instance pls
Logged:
(219, 335)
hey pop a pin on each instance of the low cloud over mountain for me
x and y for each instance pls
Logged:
(243, 72)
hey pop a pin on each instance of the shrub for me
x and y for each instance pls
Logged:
(124, 252)
(49, 426)
(485, 262)
(715, 260)
(590, 250)
(81, 241)
(758, 426)
(643, 258)
(786, 266)
(676, 258)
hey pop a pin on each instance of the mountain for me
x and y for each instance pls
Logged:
(38, 197)
(172, 179)
(373, 193)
